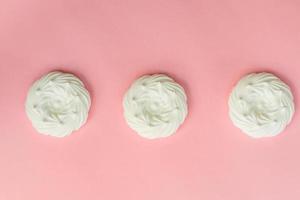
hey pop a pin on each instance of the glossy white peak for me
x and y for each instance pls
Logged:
(155, 106)
(58, 104)
(261, 105)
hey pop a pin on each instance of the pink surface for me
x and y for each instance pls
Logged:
(206, 45)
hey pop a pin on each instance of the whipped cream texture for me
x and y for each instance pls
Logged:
(57, 104)
(155, 106)
(261, 105)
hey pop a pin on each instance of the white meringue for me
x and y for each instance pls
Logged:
(261, 105)
(58, 104)
(155, 106)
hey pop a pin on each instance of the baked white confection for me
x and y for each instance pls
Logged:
(155, 106)
(58, 104)
(261, 105)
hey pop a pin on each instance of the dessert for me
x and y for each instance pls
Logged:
(155, 106)
(57, 104)
(261, 105)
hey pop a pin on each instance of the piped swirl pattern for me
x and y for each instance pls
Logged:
(155, 106)
(261, 105)
(58, 104)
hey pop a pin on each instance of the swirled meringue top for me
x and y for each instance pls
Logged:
(261, 105)
(155, 106)
(57, 104)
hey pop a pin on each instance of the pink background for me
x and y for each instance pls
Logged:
(206, 45)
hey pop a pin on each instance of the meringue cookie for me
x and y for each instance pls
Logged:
(261, 105)
(155, 106)
(57, 104)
